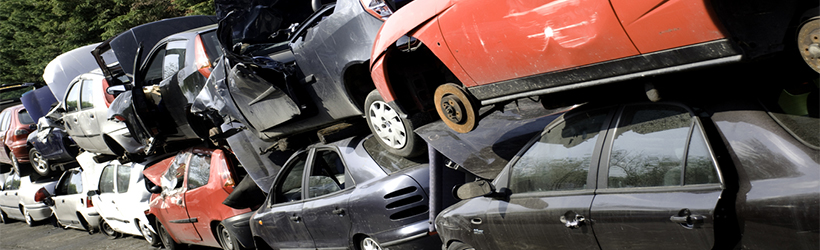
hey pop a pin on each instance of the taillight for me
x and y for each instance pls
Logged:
(119, 118)
(108, 98)
(377, 8)
(201, 61)
(88, 202)
(41, 195)
(21, 132)
(225, 173)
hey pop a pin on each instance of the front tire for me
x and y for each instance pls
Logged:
(227, 241)
(395, 133)
(149, 236)
(107, 230)
(369, 244)
(167, 241)
(38, 163)
(459, 246)
(4, 219)
(27, 215)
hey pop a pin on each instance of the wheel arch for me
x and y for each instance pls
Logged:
(357, 82)
(113, 145)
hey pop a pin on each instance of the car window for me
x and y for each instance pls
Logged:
(174, 58)
(107, 180)
(12, 182)
(4, 123)
(72, 100)
(561, 158)
(87, 95)
(327, 174)
(174, 177)
(24, 117)
(290, 187)
(211, 44)
(123, 178)
(153, 73)
(389, 162)
(650, 149)
(75, 184)
(199, 170)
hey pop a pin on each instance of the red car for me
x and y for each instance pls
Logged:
(457, 55)
(15, 125)
(186, 207)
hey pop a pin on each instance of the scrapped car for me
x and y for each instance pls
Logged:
(22, 198)
(349, 194)
(71, 205)
(187, 208)
(84, 112)
(456, 56)
(15, 125)
(730, 170)
(284, 77)
(121, 197)
(164, 87)
(50, 148)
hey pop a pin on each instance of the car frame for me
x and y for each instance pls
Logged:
(14, 124)
(22, 198)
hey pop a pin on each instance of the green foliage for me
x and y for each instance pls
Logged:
(33, 32)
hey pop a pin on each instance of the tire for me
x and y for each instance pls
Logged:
(395, 134)
(39, 164)
(16, 165)
(149, 236)
(27, 215)
(459, 246)
(369, 244)
(227, 241)
(167, 241)
(4, 218)
(107, 230)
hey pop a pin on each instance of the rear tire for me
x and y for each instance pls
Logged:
(107, 230)
(38, 163)
(149, 236)
(459, 246)
(369, 244)
(227, 241)
(167, 241)
(4, 219)
(27, 215)
(395, 133)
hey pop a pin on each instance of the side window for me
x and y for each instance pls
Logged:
(199, 171)
(8, 184)
(72, 100)
(75, 185)
(107, 180)
(327, 175)
(4, 120)
(561, 158)
(62, 187)
(290, 188)
(123, 178)
(174, 58)
(24, 117)
(175, 176)
(153, 74)
(650, 149)
(87, 94)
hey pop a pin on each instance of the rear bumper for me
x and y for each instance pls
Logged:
(412, 236)
(39, 212)
(20, 151)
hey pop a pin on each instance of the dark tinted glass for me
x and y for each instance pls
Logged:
(200, 171)
(389, 162)
(327, 175)
(24, 117)
(153, 74)
(107, 180)
(290, 188)
(649, 146)
(211, 45)
(700, 168)
(123, 178)
(174, 58)
(561, 158)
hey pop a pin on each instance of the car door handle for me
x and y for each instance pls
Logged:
(75, 120)
(572, 220)
(295, 218)
(92, 116)
(686, 219)
(339, 211)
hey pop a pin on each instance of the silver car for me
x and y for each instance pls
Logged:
(22, 199)
(85, 108)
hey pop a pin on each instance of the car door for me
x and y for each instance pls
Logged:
(655, 25)
(68, 197)
(282, 221)
(552, 185)
(108, 194)
(88, 114)
(659, 185)
(73, 118)
(513, 39)
(326, 211)
(10, 200)
(199, 199)
(174, 206)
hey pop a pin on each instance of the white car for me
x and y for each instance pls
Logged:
(72, 207)
(22, 199)
(120, 197)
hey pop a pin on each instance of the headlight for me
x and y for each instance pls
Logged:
(377, 8)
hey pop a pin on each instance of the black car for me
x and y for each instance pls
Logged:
(169, 61)
(705, 169)
(287, 71)
(349, 194)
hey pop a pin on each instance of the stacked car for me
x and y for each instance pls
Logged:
(312, 125)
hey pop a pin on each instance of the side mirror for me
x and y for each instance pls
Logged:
(155, 189)
(474, 189)
(116, 89)
(93, 192)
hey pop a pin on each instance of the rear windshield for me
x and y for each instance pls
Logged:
(389, 162)
(211, 44)
(795, 109)
(24, 117)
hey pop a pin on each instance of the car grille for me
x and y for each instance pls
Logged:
(405, 203)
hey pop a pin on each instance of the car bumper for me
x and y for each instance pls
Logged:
(240, 228)
(39, 212)
(20, 151)
(92, 217)
(412, 236)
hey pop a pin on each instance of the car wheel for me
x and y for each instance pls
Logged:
(27, 216)
(395, 133)
(456, 108)
(167, 241)
(808, 41)
(38, 163)
(459, 246)
(4, 218)
(151, 237)
(226, 240)
(369, 244)
(106, 229)
(15, 164)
